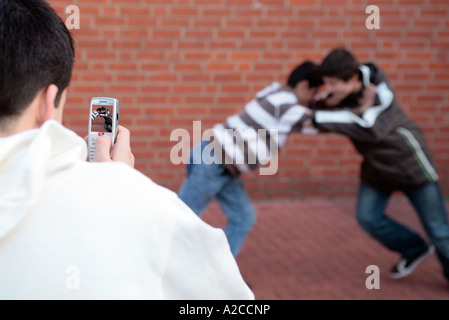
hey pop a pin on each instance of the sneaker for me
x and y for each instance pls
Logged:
(406, 266)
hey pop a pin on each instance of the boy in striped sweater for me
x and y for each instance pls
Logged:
(247, 141)
(395, 158)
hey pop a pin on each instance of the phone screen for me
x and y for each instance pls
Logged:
(101, 118)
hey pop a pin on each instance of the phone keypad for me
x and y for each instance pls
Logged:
(92, 147)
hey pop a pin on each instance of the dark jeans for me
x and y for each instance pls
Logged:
(430, 206)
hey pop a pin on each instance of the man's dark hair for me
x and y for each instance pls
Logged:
(36, 50)
(305, 71)
(339, 63)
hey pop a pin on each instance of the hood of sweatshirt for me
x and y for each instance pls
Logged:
(27, 160)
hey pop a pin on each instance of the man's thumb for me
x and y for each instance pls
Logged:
(102, 149)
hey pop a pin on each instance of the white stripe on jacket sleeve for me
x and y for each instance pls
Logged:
(369, 117)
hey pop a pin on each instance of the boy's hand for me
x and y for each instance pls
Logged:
(121, 151)
(367, 99)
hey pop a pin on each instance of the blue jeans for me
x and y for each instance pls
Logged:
(431, 208)
(205, 181)
(106, 127)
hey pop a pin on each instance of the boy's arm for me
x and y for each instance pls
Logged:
(305, 123)
(368, 123)
(94, 115)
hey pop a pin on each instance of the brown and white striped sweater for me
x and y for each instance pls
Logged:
(253, 137)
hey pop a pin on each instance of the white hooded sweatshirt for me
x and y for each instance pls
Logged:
(70, 229)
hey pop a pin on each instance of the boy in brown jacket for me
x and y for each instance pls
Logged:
(395, 158)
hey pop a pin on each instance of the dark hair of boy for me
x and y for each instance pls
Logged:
(36, 50)
(341, 64)
(305, 71)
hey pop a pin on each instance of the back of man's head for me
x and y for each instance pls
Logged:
(339, 63)
(305, 71)
(36, 50)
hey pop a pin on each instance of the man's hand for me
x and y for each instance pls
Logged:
(308, 123)
(367, 99)
(121, 151)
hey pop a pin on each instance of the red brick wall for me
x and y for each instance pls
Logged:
(170, 62)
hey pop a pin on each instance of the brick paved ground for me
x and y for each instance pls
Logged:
(316, 250)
